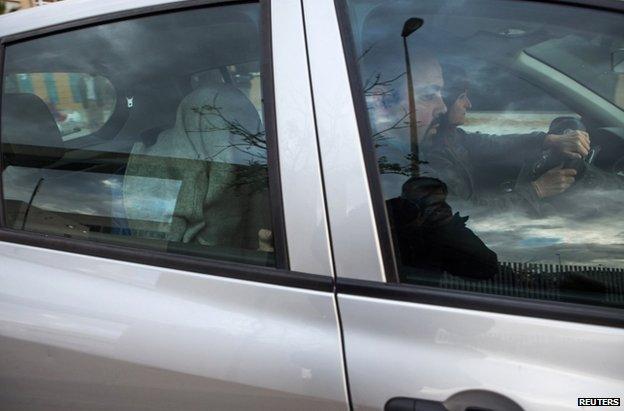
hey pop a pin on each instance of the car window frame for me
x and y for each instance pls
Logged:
(392, 289)
(281, 273)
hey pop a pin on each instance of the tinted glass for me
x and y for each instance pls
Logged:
(499, 147)
(179, 159)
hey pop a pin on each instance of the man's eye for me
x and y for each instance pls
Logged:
(428, 97)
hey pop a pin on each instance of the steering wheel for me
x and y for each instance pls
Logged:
(588, 177)
(550, 159)
(618, 167)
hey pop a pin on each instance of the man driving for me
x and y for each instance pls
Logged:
(453, 155)
(431, 239)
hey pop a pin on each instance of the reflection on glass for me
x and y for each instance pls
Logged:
(180, 166)
(496, 178)
(80, 103)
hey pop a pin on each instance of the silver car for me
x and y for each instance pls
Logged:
(312, 204)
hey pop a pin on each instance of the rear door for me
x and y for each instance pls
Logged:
(519, 306)
(146, 210)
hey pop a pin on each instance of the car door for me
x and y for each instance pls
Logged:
(514, 308)
(171, 254)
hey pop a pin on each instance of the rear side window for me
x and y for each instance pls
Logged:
(497, 129)
(176, 158)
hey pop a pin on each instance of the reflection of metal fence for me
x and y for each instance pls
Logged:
(549, 282)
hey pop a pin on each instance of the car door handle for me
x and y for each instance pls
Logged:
(412, 404)
(471, 400)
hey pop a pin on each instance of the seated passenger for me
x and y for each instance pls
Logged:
(213, 164)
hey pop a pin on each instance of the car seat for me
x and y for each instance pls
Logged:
(31, 143)
(209, 171)
(30, 136)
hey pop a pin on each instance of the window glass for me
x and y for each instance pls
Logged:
(180, 161)
(499, 144)
(245, 77)
(80, 104)
(583, 59)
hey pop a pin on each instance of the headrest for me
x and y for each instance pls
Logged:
(27, 126)
(215, 123)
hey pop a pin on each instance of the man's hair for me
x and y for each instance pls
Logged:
(455, 83)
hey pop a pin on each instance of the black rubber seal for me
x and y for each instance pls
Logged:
(553, 310)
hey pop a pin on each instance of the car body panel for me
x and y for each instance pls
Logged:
(130, 334)
(302, 189)
(402, 349)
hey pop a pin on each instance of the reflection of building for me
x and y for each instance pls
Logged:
(54, 88)
(80, 103)
(32, 3)
(14, 5)
(8, 6)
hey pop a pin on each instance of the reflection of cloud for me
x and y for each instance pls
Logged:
(535, 241)
(150, 199)
(93, 194)
(509, 122)
(586, 228)
(112, 183)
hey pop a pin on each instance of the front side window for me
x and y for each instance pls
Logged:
(179, 160)
(498, 131)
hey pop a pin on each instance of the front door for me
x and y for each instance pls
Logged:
(508, 113)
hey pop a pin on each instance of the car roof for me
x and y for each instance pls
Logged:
(66, 11)
(70, 10)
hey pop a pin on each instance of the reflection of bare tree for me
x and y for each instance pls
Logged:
(254, 173)
(376, 87)
(249, 139)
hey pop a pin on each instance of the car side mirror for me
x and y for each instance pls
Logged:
(617, 61)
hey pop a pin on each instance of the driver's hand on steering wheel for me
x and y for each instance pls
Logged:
(573, 143)
(554, 181)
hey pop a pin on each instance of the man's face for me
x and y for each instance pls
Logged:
(428, 85)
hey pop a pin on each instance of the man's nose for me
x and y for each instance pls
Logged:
(441, 107)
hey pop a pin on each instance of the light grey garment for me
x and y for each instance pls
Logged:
(216, 155)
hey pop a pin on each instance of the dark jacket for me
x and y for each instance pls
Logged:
(432, 240)
(453, 158)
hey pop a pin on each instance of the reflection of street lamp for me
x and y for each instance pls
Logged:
(411, 25)
(559, 257)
